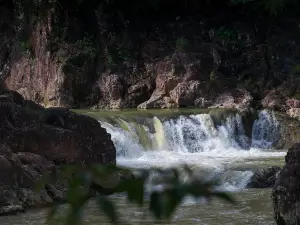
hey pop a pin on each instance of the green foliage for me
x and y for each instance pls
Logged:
(87, 46)
(297, 96)
(182, 44)
(296, 68)
(272, 7)
(116, 54)
(85, 183)
(26, 47)
(212, 76)
(226, 35)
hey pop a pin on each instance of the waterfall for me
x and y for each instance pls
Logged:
(196, 140)
(192, 134)
(265, 130)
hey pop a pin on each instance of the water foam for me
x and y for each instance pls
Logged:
(196, 140)
(265, 130)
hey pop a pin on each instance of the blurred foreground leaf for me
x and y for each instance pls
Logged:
(108, 208)
(164, 197)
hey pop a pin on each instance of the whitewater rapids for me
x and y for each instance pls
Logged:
(222, 151)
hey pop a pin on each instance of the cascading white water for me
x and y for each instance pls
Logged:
(265, 130)
(195, 140)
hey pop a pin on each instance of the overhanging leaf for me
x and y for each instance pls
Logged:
(224, 196)
(53, 210)
(108, 208)
(164, 203)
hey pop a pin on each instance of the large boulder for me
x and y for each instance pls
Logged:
(288, 131)
(293, 103)
(35, 141)
(184, 94)
(157, 100)
(178, 78)
(234, 99)
(286, 192)
(294, 113)
(264, 178)
(55, 133)
(139, 92)
(283, 97)
(274, 100)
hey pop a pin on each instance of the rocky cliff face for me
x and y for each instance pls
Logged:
(179, 61)
(35, 141)
(286, 192)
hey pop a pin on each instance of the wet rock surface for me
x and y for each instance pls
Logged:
(286, 192)
(264, 178)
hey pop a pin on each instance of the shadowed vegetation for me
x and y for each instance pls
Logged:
(161, 200)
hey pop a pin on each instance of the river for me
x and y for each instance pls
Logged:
(218, 148)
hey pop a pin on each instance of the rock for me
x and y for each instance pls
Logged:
(56, 192)
(157, 100)
(286, 192)
(112, 90)
(294, 113)
(288, 131)
(234, 99)
(29, 198)
(290, 86)
(220, 115)
(11, 96)
(140, 92)
(274, 100)
(184, 94)
(264, 178)
(35, 141)
(282, 98)
(57, 134)
(202, 102)
(292, 103)
(66, 74)
(11, 210)
(179, 77)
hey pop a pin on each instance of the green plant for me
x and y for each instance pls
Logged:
(297, 96)
(182, 44)
(87, 46)
(296, 68)
(212, 76)
(115, 55)
(26, 47)
(272, 7)
(226, 34)
(111, 60)
(85, 184)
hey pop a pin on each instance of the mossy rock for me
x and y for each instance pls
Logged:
(219, 116)
(248, 119)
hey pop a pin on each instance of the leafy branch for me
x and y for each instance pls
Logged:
(162, 200)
